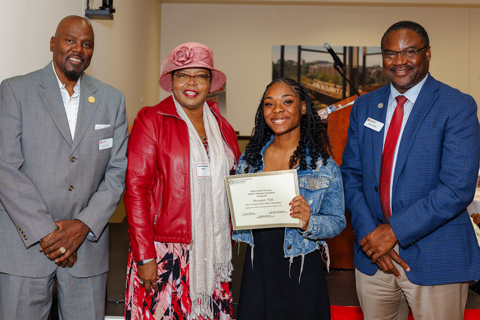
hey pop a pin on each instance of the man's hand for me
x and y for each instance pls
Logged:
(476, 218)
(70, 262)
(69, 236)
(378, 242)
(148, 275)
(386, 265)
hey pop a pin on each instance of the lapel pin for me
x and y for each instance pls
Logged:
(91, 99)
(380, 105)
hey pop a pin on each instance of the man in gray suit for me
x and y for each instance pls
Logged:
(63, 140)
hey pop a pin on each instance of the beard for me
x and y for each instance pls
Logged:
(73, 75)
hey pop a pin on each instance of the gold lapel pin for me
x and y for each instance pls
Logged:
(380, 105)
(91, 99)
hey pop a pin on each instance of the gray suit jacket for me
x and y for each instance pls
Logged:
(45, 177)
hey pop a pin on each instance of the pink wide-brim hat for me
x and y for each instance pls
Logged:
(190, 55)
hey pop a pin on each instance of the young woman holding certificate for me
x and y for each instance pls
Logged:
(283, 272)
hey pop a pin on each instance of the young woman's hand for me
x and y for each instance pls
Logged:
(301, 210)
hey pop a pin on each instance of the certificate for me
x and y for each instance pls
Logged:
(261, 200)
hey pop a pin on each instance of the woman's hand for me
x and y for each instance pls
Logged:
(148, 275)
(301, 210)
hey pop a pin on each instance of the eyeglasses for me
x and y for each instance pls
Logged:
(199, 78)
(407, 53)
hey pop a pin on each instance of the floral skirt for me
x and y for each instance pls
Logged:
(172, 301)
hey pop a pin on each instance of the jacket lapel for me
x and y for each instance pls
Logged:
(379, 114)
(52, 98)
(86, 109)
(426, 99)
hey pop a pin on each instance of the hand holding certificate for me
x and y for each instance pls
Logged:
(262, 200)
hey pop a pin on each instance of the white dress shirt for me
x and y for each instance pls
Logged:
(70, 103)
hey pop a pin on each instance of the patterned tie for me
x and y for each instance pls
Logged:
(388, 154)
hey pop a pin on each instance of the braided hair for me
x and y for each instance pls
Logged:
(313, 133)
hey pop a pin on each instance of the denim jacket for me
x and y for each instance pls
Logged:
(322, 188)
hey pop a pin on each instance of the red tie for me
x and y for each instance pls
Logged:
(388, 154)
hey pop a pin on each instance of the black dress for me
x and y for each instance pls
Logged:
(271, 290)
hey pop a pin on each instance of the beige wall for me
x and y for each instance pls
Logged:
(474, 54)
(127, 52)
(241, 37)
(26, 28)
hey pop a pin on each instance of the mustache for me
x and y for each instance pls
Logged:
(403, 66)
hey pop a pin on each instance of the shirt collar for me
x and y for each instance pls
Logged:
(411, 94)
(61, 85)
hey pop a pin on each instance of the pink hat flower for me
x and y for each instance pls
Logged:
(182, 56)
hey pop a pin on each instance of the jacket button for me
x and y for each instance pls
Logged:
(73, 159)
(289, 247)
(380, 219)
(70, 188)
(376, 189)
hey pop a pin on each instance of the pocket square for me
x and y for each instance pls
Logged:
(101, 126)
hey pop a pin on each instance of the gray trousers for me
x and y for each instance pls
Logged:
(31, 298)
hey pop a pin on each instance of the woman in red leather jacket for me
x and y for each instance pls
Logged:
(178, 155)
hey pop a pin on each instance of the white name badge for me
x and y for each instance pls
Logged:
(105, 144)
(203, 169)
(373, 124)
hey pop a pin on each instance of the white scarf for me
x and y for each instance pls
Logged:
(210, 250)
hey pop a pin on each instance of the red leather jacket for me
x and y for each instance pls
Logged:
(157, 196)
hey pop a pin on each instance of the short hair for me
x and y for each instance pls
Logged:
(401, 25)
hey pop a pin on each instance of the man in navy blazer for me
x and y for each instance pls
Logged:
(420, 247)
